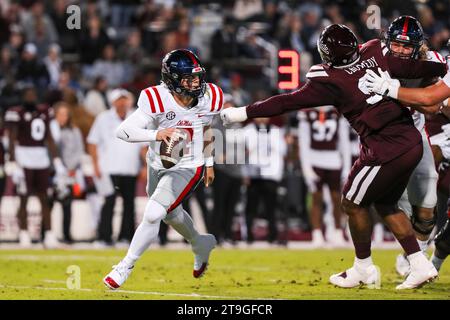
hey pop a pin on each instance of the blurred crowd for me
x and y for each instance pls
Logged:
(121, 43)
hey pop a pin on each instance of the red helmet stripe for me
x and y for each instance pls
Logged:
(405, 26)
(213, 104)
(150, 99)
(158, 97)
(192, 57)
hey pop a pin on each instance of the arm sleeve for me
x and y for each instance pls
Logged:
(414, 69)
(134, 128)
(312, 94)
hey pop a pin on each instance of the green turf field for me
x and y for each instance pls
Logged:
(233, 274)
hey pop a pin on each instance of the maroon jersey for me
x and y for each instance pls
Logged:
(385, 127)
(32, 126)
(324, 124)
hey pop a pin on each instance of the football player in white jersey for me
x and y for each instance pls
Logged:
(405, 39)
(182, 102)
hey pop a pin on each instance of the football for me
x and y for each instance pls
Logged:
(172, 152)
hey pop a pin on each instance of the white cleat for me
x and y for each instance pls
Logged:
(402, 265)
(24, 239)
(117, 276)
(50, 241)
(202, 247)
(356, 276)
(421, 273)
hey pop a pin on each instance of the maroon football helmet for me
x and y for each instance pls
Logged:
(338, 45)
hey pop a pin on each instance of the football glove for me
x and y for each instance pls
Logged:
(382, 84)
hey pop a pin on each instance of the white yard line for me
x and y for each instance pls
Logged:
(53, 281)
(153, 293)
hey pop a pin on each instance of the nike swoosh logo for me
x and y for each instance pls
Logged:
(200, 115)
(128, 137)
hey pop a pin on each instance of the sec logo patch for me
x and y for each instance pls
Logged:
(170, 115)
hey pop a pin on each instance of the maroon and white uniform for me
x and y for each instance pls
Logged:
(391, 146)
(324, 147)
(31, 152)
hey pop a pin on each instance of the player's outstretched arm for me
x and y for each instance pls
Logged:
(312, 94)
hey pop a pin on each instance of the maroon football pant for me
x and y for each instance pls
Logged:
(329, 177)
(381, 185)
(37, 182)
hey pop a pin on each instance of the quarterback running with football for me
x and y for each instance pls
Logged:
(391, 146)
(182, 102)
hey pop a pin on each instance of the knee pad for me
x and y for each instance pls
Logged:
(154, 212)
(442, 240)
(423, 226)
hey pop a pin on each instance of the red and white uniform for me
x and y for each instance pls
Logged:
(421, 189)
(161, 110)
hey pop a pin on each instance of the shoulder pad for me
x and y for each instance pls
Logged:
(435, 57)
(216, 95)
(317, 70)
(152, 99)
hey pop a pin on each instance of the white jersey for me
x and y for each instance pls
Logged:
(419, 118)
(159, 104)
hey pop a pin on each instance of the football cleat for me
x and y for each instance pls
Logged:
(402, 265)
(118, 275)
(202, 247)
(356, 276)
(422, 272)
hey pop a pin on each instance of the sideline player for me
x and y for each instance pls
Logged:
(391, 145)
(325, 154)
(182, 100)
(29, 162)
